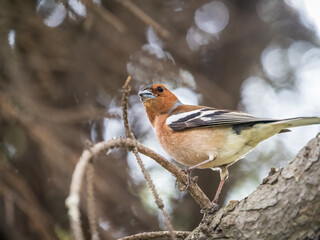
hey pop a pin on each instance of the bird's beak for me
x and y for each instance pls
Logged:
(146, 95)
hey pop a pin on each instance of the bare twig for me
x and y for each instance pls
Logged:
(125, 97)
(50, 114)
(73, 200)
(151, 235)
(91, 203)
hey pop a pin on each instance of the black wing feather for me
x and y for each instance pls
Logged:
(213, 118)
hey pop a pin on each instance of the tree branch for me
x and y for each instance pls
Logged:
(129, 134)
(285, 206)
(73, 200)
(156, 235)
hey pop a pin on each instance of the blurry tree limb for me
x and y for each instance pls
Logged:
(129, 134)
(51, 114)
(40, 133)
(285, 206)
(106, 15)
(70, 115)
(145, 18)
(23, 198)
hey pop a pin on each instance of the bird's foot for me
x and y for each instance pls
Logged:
(214, 208)
(188, 172)
(215, 200)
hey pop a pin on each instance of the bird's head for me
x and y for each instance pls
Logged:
(157, 99)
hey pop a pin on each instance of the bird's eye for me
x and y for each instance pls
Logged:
(160, 89)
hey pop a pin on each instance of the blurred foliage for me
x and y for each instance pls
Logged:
(62, 64)
(62, 234)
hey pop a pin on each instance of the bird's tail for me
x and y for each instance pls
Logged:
(297, 122)
(265, 130)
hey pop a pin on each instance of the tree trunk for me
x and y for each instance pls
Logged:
(285, 206)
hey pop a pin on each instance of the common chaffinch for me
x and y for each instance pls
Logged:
(205, 137)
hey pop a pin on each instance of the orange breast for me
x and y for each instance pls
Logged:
(192, 146)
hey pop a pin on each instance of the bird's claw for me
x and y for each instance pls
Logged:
(211, 210)
(186, 186)
(188, 172)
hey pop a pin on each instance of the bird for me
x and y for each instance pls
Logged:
(205, 137)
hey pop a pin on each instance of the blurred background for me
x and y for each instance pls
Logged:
(62, 65)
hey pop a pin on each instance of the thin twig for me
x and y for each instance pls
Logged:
(125, 98)
(151, 235)
(91, 203)
(73, 200)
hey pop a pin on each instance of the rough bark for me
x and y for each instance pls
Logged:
(285, 206)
